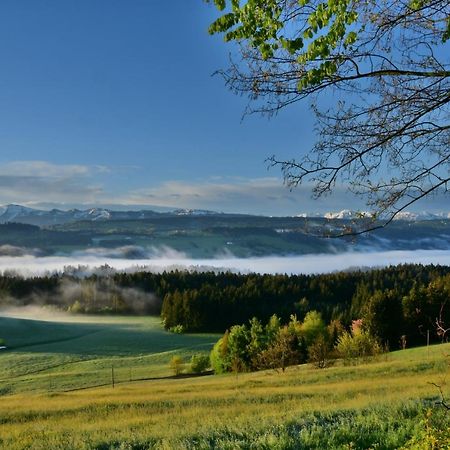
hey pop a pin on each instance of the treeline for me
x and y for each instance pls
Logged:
(387, 321)
(271, 346)
(400, 301)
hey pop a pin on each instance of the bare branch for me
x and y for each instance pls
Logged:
(442, 401)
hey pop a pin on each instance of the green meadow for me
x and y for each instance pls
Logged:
(47, 403)
(81, 351)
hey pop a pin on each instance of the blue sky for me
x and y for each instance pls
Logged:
(112, 102)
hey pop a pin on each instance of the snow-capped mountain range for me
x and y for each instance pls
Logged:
(403, 215)
(24, 214)
(32, 216)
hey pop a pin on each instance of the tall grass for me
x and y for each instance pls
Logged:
(379, 404)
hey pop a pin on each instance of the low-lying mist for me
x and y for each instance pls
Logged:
(79, 295)
(86, 263)
(36, 312)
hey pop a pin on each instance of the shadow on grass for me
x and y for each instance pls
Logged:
(99, 339)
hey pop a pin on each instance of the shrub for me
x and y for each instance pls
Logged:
(199, 363)
(220, 362)
(358, 344)
(431, 435)
(177, 329)
(2, 342)
(76, 308)
(176, 365)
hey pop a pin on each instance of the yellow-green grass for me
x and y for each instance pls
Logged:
(376, 404)
(80, 351)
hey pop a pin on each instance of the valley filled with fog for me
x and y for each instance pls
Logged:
(89, 262)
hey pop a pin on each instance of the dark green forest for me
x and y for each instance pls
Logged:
(405, 300)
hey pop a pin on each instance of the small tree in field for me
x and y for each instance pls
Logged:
(319, 352)
(176, 365)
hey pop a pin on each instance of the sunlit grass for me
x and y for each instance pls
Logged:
(377, 404)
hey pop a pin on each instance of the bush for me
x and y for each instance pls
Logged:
(176, 365)
(199, 363)
(220, 362)
(430, 436)
(177, 329)
(76, 308)
(2, 342)
(358, 344)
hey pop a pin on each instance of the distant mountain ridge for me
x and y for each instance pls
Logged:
(203, 234)
(39, 217)
(32, 216)
(403, 215)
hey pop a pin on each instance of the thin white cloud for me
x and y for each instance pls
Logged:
(47, 169)
(29, 182)
(267, 196)
(45, 184)
(260, 195)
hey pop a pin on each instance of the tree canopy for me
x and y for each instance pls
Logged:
(385, 64)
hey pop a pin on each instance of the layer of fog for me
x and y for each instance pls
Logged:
(85, 263)
(44, 313)
(80, 295)
(51, 314)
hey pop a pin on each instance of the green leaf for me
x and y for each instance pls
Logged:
(446, 35)
(220, 4)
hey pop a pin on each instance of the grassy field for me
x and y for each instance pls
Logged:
(379, 404)
(80, 351)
